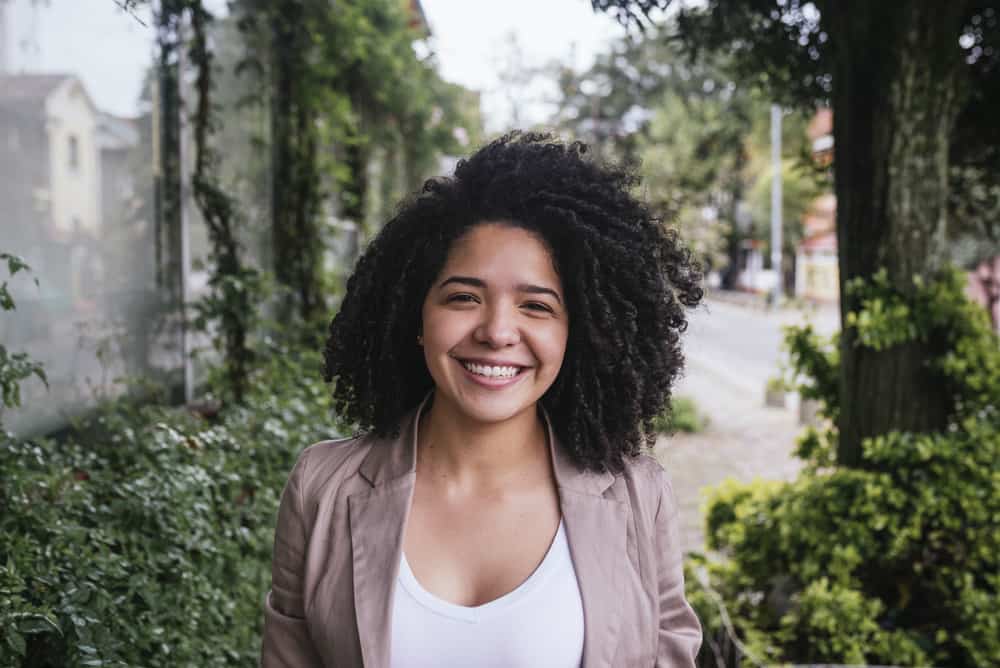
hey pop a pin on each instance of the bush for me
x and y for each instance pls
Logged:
(14, 367)
(681, 415)
(145, 538)
(896, 562)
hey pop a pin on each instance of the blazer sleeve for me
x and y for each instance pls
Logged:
(286, 641)
(680, 630)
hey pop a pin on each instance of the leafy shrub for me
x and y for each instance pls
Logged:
(14, 367)
(896, 562)
(681, 415)
(145, 538)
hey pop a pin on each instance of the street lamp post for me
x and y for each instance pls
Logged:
(776, 202)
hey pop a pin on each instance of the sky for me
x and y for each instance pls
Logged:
(109, 50)
(472, 41)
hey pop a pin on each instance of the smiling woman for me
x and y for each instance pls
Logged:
(495, 323)
(504, 345)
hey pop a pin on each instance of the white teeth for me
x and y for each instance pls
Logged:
(491, 371)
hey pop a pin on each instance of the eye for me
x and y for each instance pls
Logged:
(462, 298)
(538, 306)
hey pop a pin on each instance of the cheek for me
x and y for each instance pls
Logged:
(552, 347)
(442, 329)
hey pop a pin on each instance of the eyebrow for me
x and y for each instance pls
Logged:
(523, 287)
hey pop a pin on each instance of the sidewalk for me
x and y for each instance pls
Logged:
(725, 376)
(744, 440)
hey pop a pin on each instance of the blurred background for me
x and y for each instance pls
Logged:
(186, 184)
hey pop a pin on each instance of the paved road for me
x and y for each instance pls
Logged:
(731, 352)
(743, 343)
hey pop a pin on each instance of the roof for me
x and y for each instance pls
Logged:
(29, 87)
(117, 132)
(24, 96)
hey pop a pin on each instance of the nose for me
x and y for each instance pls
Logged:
(498, 328)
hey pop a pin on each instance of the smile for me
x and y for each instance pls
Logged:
(492, 371)
(492, 376)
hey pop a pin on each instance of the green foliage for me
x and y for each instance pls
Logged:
(935, 312)
(801, 184)
(694, 158)
(683, 415)
(883, 320)
(686, 120)
(894, 562)
(14, 265)
(832, 620)
(814, 362)
(144, 539)
(701, 136)
(234, 288)
(14, 367)
(354, 112)
(728, 504)
(805, 54)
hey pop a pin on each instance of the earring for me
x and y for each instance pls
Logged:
(420, 340)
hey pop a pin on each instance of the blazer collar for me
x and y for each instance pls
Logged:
(390, 458)
(570, 476)
(595, 530)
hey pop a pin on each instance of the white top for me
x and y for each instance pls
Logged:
(538, 624)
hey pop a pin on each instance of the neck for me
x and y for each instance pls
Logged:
(464, 453)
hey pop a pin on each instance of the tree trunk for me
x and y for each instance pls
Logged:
(898, 86)
(309, 247)
(737, 230)
(295, 192)
(354, 188)
(282, 142)
(167, 174)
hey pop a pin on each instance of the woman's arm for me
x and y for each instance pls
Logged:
(680, 631)
(286, 642)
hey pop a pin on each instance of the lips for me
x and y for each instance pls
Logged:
(492, 382)
(482, 361)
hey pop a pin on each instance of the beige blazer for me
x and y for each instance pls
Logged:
(339, 537)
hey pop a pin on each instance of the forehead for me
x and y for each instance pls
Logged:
(503, 245)
(500, 251)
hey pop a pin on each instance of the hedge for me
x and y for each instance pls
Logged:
(895, 562)
(144, 538)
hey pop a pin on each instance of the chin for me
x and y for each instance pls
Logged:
(493, 415)
(489, 410)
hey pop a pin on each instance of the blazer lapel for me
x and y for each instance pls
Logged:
(378, 516)
(596, 532)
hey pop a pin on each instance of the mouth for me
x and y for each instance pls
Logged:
(492, 375)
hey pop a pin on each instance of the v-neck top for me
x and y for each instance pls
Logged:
(539, 623)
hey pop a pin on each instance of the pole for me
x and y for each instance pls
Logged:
(185, 217)
(776, 202)
(4, 40)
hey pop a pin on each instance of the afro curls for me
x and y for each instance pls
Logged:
(627, 280)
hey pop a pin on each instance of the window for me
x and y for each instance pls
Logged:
(74, 152)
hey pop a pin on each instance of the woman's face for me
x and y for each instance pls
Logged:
(495, 324)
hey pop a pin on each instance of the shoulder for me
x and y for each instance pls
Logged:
(649, 485)
(328, 463)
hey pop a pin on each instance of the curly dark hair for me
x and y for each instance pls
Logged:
(626, 279)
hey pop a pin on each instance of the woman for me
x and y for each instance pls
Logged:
(504, 343)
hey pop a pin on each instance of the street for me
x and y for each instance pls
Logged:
(731, 352)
